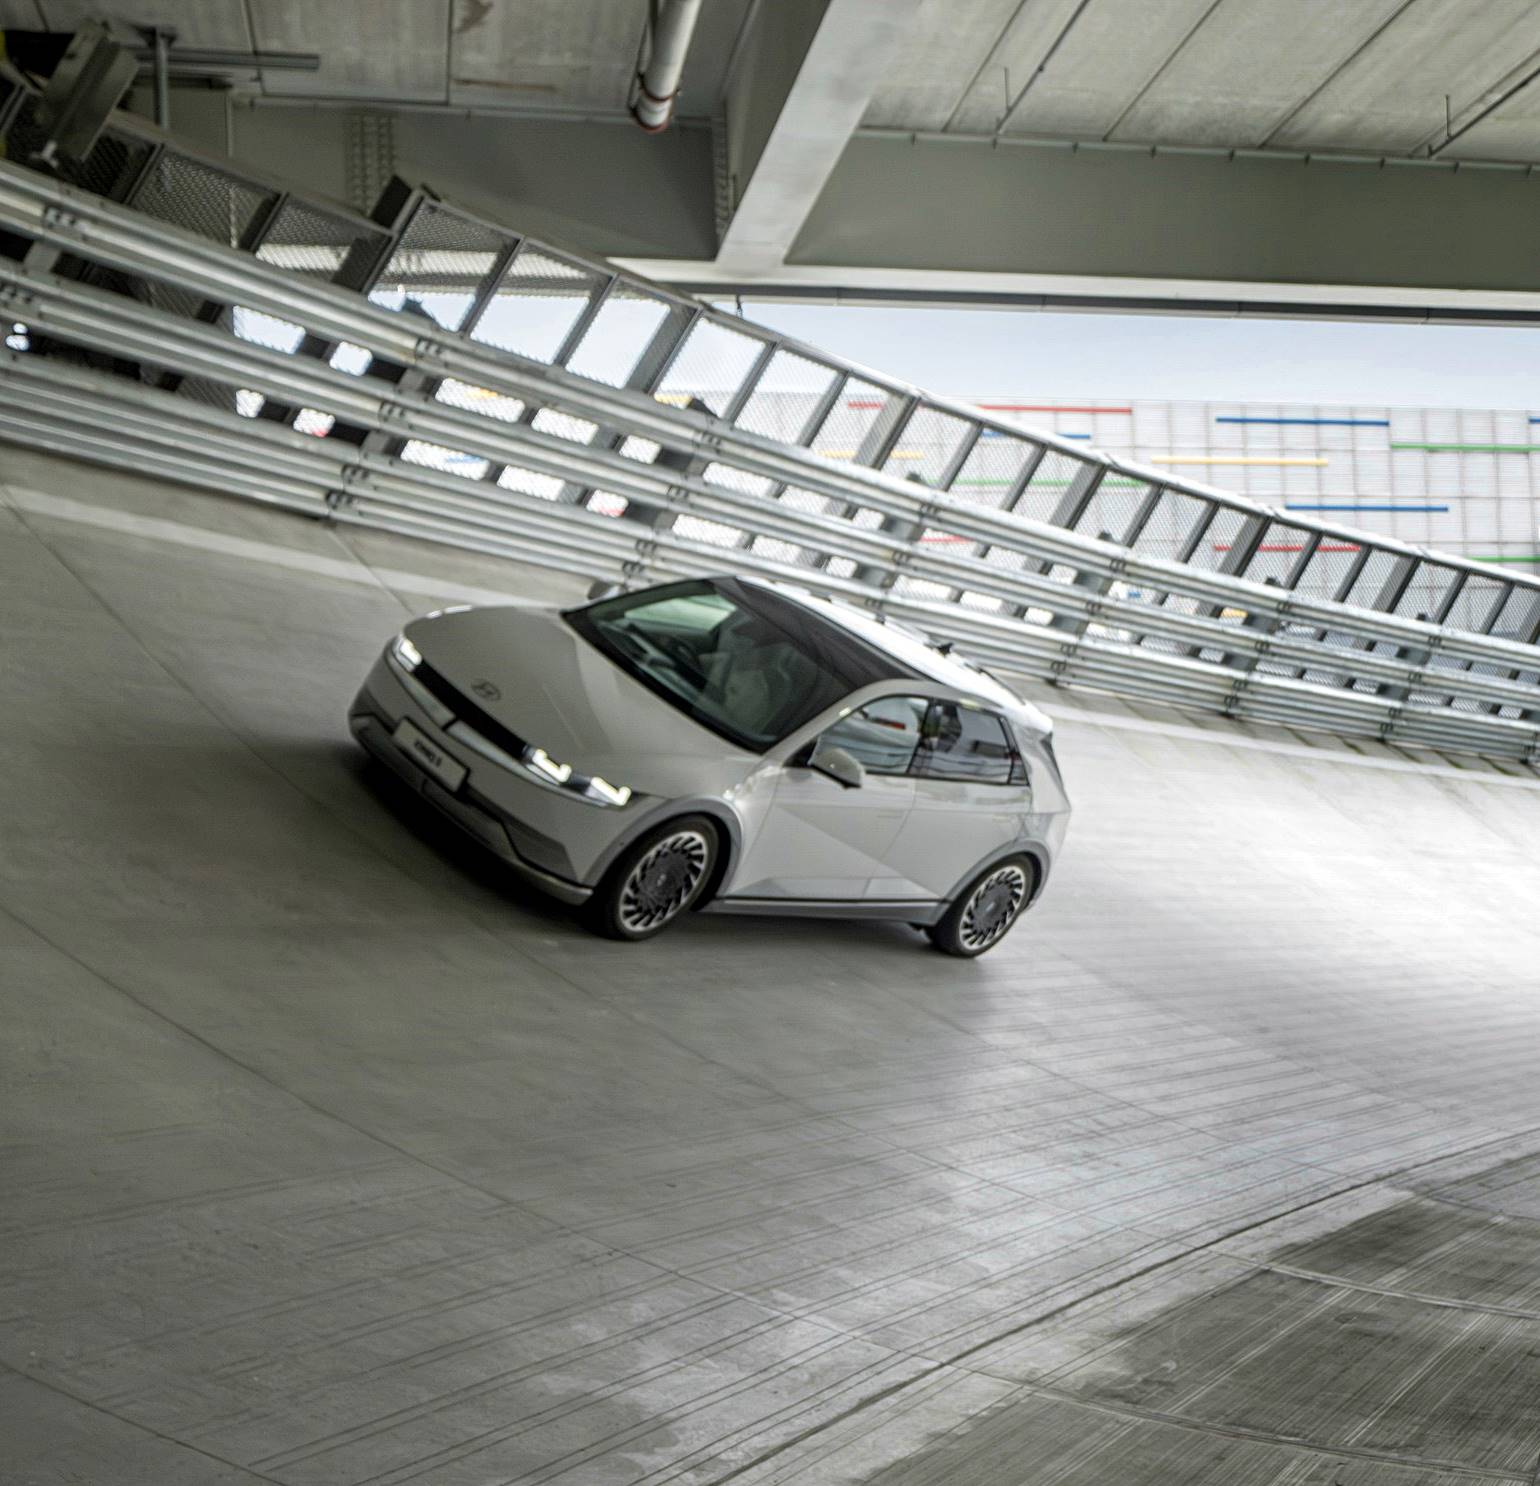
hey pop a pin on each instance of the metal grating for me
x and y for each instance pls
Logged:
(537, 305)
(438, 265)
(322, 244)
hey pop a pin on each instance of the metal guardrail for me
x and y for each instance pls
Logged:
(477, 387)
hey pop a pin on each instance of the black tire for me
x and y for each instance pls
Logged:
(656, 880)
(983, 913)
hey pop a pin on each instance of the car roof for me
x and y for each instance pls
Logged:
(913, 650)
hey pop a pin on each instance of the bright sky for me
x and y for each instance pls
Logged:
(977, 353)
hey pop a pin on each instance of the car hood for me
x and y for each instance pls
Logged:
(557, 691)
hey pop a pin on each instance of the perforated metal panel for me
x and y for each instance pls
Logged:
(671, 432)
(323, 244)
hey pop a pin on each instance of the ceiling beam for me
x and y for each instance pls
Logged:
(803, 79)
(1193, 231)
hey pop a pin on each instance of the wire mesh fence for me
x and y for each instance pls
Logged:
(489, 382)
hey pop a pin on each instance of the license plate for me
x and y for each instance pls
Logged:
(426, 753)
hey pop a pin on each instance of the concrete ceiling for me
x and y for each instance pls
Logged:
(1314, 75)
(1317, 75)
(1360, 153)
(556, 55)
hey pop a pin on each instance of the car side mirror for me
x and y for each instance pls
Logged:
(603, 588)
(842, 767)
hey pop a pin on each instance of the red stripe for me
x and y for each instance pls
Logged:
(999, 407)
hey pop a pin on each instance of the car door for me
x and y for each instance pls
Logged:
(971, 799)
(822, 840)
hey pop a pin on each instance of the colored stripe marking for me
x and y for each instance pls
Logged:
(1300, 505)
(1317, 422)
(1472, 448)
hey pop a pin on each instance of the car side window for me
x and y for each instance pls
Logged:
(960, 742)
(883, 734)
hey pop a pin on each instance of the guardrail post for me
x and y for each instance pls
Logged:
(646, 376)
(1262, 623)
(879, 442)
(1073, 504)
(662, 517)
(362, 265)
(1098, 584)
(903, 530)
(817, 416)
(1243, 548)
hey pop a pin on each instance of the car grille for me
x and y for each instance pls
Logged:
(467, 711)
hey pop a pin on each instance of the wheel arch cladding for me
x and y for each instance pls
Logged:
(729, 838)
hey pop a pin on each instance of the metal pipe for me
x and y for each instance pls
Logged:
(212, 62)
(660, 62)
(161, 39)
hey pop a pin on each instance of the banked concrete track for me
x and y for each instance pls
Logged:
(332, 1158)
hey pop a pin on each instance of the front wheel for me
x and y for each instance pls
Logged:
(982, 914)
(655, 880)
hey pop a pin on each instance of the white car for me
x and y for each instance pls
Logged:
(726, 744)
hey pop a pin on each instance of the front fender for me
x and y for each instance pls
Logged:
(663, 810)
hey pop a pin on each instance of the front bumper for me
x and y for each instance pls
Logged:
(492, 806)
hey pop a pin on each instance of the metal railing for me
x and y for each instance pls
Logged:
(434, 374)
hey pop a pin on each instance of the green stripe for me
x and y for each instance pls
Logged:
(1495, 558)
(1474, 448)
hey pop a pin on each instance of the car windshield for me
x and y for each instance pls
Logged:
(744, 661)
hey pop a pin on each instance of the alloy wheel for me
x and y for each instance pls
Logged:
(663, 881)
(992, 907)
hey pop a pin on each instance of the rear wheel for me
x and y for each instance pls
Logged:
(982, 914)
(655, 880)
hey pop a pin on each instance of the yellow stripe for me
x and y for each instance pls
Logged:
(1231, 459)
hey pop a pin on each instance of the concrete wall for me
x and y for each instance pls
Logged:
(608, 188)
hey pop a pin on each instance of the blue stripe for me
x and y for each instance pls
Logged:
(1321, 422)
(1073, 435)
(1296, 505)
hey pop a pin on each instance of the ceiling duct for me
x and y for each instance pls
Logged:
(660, 62)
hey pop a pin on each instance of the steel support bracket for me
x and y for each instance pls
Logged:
(61, 220)
(430, 352)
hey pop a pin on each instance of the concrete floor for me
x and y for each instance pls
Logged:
(332, 1157)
